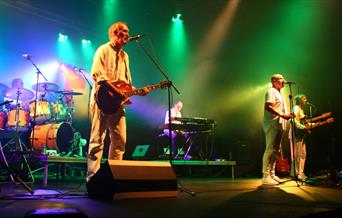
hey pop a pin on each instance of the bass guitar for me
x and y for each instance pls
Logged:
(282, 165)
(110, 97)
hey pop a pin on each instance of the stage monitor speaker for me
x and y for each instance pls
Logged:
(133, 179)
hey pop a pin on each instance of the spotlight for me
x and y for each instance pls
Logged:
(62, 37)
(178, 18)
(86, 42)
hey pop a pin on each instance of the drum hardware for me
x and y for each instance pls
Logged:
(20, 147)
(6, 102)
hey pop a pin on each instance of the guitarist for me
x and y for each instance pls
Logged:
(110, 65)
(302, 129)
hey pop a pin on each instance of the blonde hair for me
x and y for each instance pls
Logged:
(276, 77)
(114, 27)
(298, 98)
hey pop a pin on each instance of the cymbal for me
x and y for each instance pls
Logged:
(21, 94)
(68, 92)
(45, 87)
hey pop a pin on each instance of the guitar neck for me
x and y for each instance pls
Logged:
(320, 117)
(314, 125)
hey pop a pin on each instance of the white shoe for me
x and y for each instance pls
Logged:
(267, 180)
(276, 178)
(302, 177)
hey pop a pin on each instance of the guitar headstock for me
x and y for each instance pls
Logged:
(330, 120)
(165, 83)
(328, 114)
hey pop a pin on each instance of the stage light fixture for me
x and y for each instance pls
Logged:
(178, 18)
(86, 42)
(62, 37)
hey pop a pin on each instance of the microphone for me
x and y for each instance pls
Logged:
(288, 82)
(135, 38)
(311, 105)
(26, 56)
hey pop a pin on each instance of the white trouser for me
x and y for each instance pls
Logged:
(273, 136)
(116, 124)
(300, 156)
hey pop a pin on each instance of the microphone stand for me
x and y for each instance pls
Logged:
(89, 84)
(170, 85)
(36, 97)
(89, 95)
(293, 137)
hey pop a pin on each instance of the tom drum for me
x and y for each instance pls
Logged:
(43, 112)
(23, 119)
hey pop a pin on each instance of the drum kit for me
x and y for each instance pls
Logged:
(49, 117)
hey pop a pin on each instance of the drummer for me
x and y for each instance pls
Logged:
(17, 83)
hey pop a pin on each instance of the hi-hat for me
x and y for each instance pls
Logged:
(45, 87)
(18, 93)
(68, 92)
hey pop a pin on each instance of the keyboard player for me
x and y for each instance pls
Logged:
(178, 137)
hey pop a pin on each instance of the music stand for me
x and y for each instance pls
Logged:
(170, 85)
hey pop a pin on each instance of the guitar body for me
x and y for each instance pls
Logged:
(109, 98)
(282, 165)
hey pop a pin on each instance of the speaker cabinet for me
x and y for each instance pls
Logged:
(120, 179)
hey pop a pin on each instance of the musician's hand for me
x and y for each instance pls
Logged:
(143, 91)
(307, 130)
(287, 116)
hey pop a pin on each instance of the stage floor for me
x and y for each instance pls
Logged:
(222, 197)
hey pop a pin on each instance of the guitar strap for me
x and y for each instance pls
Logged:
(127, 73)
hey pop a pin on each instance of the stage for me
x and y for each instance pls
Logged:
(214, 197)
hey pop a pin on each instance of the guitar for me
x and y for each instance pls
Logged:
(320, 123)
(282, 165)
(325, 115)
(110, 97)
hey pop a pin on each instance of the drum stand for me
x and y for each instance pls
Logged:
(19, 145)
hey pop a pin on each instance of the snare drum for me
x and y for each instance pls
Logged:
(56, 136)
(23, 119)
(43, 112)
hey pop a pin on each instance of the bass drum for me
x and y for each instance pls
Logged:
(57, 136)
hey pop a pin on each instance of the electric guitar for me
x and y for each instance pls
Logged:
(325, 115)
(282, 165)
(307, 122)
(320, 123)
(110, 97)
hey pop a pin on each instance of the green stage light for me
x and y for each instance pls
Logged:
(62, 37)
(178, 18)
(86, 42)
